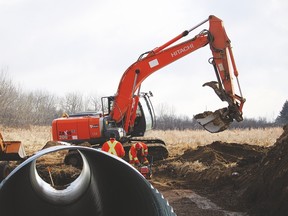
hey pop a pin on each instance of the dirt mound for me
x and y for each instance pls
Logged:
(215, 163)
(223, 154)
(239, 177)
(267, 193)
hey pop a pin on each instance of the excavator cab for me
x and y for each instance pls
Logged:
(145, 116)
(144, 119)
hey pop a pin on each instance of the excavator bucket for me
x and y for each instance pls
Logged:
(13, 151)
(214, 122)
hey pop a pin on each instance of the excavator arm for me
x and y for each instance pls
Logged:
(127, 96)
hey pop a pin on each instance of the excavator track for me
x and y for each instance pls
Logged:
(156, 147)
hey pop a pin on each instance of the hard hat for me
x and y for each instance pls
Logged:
(138, 146)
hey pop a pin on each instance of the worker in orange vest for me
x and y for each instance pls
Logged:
(113, 146)
(138, 154)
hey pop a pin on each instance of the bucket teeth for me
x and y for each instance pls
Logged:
(214, 122)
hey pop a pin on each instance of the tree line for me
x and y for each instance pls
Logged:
(173, 122)
(21, 109)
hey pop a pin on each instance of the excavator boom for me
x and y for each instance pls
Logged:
(126, 98)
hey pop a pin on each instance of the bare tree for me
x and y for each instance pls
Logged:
(95, 103)
(9, 96)
(21, 109)
(43, 107)
(72, 103)
(166, 118)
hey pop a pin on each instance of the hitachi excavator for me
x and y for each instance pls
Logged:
(129, 113)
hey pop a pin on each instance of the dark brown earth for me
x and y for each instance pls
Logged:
(240, 179)
(221, 179)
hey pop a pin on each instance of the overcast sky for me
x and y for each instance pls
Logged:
(84, 46)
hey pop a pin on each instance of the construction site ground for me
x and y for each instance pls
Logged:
(220, 178)
(227, 179)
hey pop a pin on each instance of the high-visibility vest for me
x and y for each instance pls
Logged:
(112, 149)
(133, 153)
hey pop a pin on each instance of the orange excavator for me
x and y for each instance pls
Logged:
(129, 113)
(9, 151)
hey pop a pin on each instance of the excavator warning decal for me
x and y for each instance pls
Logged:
(153, 63)
(67, 134)
(220, 66)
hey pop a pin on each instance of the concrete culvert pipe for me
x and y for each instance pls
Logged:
(106, 186)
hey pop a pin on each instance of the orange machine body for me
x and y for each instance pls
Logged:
(128, 116)
(79, 129)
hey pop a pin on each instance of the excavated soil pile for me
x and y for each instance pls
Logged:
(267, 192)
(237, 177)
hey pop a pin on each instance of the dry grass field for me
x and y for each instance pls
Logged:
(35, 137)
(179, 141)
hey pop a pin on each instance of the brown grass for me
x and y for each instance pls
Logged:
(177, 142)
(51, 166)
(33, 138)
